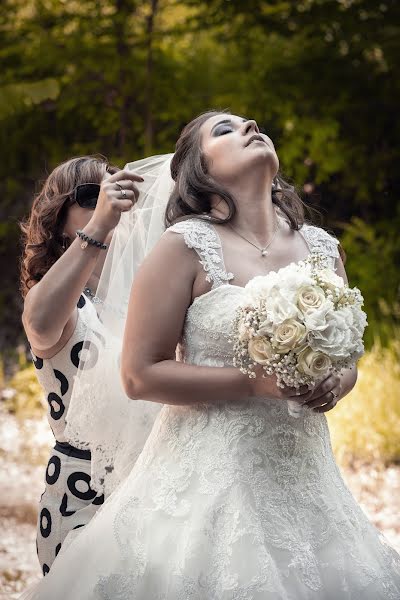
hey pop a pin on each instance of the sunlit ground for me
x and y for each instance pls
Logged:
(365, 430)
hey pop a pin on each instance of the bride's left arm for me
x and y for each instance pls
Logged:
(321, 398)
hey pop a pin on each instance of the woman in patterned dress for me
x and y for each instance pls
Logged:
(59, 273)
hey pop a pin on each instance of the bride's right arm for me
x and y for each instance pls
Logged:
(160, 296)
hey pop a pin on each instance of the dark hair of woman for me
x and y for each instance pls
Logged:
(194, 186)
(42, 232)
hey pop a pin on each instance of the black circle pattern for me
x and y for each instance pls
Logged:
(37, 361)
(99, 500)
(64, 507)
(45, 522)
(64, 385)
(45, 569)
(90, 362)
(55, 413)
(51, 478)
(81, 302)
(73, 480)
(58, 548)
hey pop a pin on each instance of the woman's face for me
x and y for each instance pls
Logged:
(232, 145)
(78, 218)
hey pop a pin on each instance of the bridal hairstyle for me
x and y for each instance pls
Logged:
(42, 232)
(194, 186)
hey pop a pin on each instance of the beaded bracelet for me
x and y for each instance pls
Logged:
(88, 240)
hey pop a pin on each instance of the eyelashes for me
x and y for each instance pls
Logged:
(224, 130)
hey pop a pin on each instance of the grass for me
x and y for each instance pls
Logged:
(365, 425)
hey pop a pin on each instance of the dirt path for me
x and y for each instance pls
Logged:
(377, 490)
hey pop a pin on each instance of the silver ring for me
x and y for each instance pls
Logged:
(123, 192)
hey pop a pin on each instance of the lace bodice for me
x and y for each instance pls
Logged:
(208, 323)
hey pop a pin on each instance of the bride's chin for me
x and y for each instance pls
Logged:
(266, 159)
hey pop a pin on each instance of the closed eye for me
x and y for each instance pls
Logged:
(223, 130)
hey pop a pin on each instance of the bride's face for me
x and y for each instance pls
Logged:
(232, 145)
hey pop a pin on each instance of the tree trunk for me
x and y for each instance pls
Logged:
(149, 124)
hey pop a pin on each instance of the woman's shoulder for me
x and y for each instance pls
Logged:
(196, 233)
(190, 225)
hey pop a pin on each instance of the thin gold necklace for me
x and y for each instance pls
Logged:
(264, 249)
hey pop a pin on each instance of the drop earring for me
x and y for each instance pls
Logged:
(64, 243)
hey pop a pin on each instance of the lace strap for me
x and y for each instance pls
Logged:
(320, 241)
(203, 238)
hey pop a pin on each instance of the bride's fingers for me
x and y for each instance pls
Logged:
(327, 398)
(326, 407)
(321, 389)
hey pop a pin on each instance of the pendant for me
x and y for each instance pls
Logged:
(264, 252)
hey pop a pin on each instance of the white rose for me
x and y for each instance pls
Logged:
(289, 335)
(287, 280)
(359, 318)
(310, 297)
(260, 350)
(312, 363)
(337, 338)
(260, 287)
(331, 280)
(316, 319)
(295, 276)
(281, 306)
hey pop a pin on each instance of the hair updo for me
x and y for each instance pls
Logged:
(195, 187)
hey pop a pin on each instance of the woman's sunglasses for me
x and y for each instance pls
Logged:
(86, 194)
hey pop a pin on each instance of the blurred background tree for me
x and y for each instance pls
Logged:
(121, 77)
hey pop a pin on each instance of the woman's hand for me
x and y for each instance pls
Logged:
(118, 193)
(267, 386)
(325, 395)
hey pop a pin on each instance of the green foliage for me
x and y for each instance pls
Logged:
(121, 77)
(15, 97)
(373, 265)
(365, 425)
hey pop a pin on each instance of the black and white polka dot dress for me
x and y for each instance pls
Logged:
(68, 502)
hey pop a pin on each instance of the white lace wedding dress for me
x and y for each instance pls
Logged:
(228, 502)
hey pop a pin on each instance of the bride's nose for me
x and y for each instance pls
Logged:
(250, 125)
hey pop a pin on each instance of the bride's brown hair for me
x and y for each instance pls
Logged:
(42, 232)
(194, 186)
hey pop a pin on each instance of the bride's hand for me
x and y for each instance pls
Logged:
(325, 395)
(267, 386)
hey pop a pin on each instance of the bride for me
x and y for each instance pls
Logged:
(231, 498)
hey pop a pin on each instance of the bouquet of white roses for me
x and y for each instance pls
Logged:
(300, 323)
